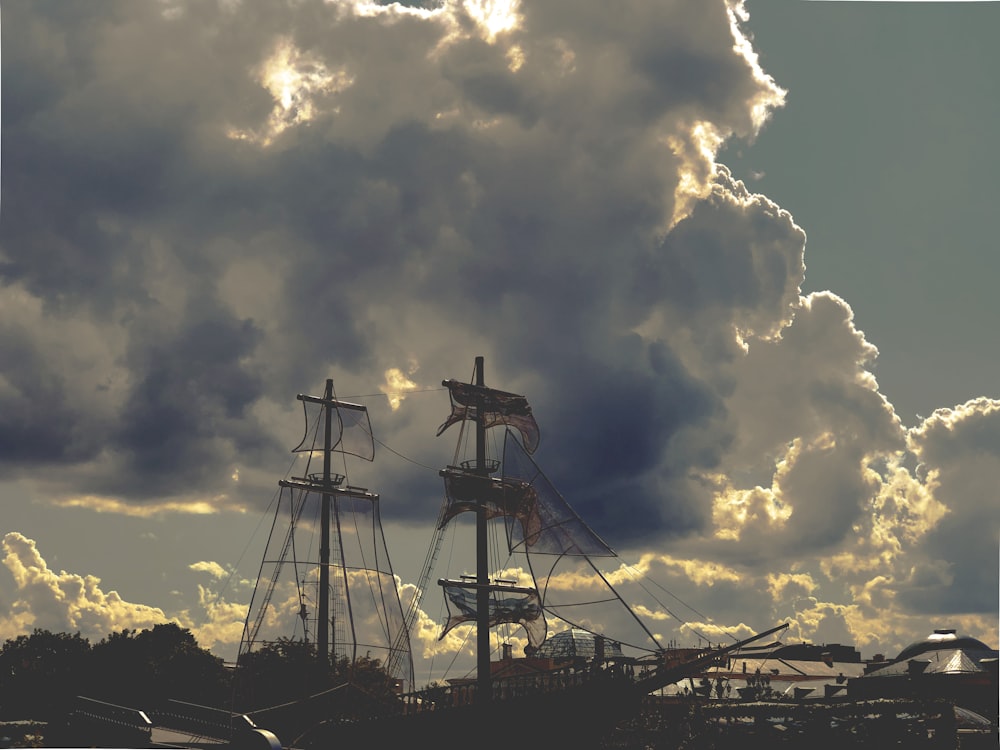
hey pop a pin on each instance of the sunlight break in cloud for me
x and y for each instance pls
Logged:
(294, 79)
(494, 16)
(397, 385)
(164, 507)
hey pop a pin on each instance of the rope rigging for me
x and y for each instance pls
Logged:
(399, 647)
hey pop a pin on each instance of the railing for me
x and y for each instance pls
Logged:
(512, 688)
(202, 720)
(108, 721)
(488, 466)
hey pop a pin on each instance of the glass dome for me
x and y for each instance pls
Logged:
(573, 643)
(942, 639)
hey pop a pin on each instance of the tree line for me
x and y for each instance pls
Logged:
(41, 674)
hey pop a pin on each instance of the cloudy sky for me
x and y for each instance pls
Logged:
(739, 256)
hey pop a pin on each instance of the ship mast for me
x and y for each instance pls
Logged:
(470, 487)
(484, 687)
(323, 626)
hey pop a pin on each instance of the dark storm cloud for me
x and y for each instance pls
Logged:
(502, 197)
(210, 207)
(192, 391)
(133, 191)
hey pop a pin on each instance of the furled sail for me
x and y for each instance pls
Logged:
(350, 428)
(499, 407)
(467, 490)
(521, 606)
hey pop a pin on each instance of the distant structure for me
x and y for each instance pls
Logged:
(576, 644)
(943, 665)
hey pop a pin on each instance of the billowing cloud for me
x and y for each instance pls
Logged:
(74, 603)
(65, 602)
(212, 207)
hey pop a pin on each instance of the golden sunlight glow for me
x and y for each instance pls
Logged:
(717, 632)
(812, 617)
(515, 58)
(784, 586)
(208, 566)
(397, 385)
(225, 620)
(734, 510)
(695, 151)
(494, 16)
(700, 572)
(149, 510)
(294, 79)
(769, 95)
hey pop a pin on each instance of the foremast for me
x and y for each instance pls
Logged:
(343, 573)
(328, 485)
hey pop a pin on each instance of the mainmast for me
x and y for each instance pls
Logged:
(484, 691)
(471, 487)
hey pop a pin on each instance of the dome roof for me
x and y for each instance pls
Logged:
(576, 643)
(942, 639)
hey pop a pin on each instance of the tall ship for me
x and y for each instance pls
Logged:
(540, 582)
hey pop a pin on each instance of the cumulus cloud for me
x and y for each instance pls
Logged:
(213, 207)
(65, 602)
(212, 568)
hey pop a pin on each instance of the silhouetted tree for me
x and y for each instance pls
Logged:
(144, 669)
(367, 674)
(290, 670)
(278, 672)
(41, 673)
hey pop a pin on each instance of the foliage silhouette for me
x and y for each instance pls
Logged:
(41, 674)
(147, 668)
(289, 669)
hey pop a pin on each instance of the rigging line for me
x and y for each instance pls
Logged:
(639, 577)
(442, 606)
(373, 575)
(627, 608)
(395, 393)
(579, 626)
(454, 656)
(337, 511)
(248, 634)
(639, 581)
(260, 522)
(340, 440)
(405, 458)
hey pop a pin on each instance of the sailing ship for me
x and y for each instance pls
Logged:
(342, 597)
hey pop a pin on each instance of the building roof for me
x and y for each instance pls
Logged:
(575, 643)
(943, 639)
(942, 652)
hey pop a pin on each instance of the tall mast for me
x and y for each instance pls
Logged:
(484, 687)
(323, 626)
